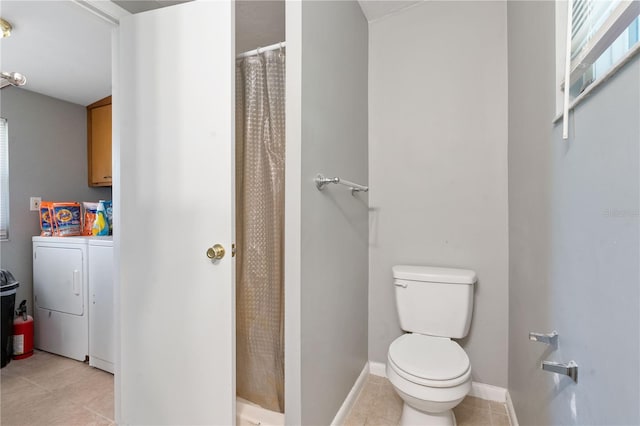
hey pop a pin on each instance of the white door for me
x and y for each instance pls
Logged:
(174, 99)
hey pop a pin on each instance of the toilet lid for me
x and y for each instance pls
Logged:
(428, 357)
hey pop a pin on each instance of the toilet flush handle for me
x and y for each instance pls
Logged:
(400, 284)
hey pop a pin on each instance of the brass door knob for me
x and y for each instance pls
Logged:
(215, 252)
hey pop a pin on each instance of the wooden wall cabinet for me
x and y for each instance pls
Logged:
(99, 142)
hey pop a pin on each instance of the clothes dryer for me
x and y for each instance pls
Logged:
(60, 288)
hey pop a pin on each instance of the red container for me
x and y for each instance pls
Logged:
(22, 337)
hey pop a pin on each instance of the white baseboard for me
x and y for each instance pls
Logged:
(378, 368)
(490, 392)
(343, 412)
(513, 420)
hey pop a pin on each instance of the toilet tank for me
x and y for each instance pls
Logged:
(434, 301)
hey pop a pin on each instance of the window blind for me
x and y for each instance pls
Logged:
(4, 180)
(598, 33)
(588, 16)
(595, 25)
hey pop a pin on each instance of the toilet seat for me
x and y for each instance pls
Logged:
(429, 361)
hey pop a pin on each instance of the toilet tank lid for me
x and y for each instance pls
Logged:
(434, 274)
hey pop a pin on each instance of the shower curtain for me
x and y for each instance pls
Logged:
(260, 131)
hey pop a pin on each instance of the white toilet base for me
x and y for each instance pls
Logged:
(413, 417)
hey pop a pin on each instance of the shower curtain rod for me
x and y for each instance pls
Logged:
(262, 49)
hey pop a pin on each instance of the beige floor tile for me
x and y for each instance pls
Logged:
(103, 404)
(376, 379)
(18, 407)
(379, 421)
(66, 375)
(24, 399)
(367, 399)
(356, 419)
(499, 419)
(59, 411)
(13, 384)
(47, 389)
(50, 366)
(388, 411)
(473, 402)
(498, 407)
(20, 367)
(472, 416)
(388, 405)
(379, 405)
(89, 388)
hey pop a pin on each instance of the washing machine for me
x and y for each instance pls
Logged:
(60, 290)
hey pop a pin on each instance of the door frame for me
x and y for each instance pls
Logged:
(292, 213)
(111, 13)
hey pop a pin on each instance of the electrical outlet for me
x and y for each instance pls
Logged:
(34, 203)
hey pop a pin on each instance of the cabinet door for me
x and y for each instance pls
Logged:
(99, 142)
(101, 313)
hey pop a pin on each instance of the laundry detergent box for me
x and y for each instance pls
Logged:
(46, 219)
(68, 219)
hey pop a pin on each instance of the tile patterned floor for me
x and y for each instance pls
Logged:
(47, 389)
(379, 405)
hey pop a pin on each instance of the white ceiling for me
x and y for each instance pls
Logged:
(62, 49)
(65, 50)
(137, 6)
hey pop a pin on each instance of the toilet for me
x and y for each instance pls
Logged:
(431, 372)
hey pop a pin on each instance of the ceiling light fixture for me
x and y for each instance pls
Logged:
(6, 28)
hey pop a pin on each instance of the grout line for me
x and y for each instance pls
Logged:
(98, 414)
(51, 392)
(37, 384)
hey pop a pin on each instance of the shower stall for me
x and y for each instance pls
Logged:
(181, 191)
(260, 155)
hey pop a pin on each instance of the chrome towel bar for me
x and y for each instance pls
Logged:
(321, 181)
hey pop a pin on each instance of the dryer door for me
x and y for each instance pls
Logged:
(58, 279)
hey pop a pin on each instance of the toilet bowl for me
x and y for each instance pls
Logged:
(429, 371)
(432, 375)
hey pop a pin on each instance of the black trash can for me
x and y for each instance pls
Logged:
(8, 287)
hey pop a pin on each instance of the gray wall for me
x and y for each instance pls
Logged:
(574, 235)
(48, 159)
(438, 164)
(334, 223)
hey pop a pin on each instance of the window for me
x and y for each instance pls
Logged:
(595, 38)
(4, 180)
(603, 32)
